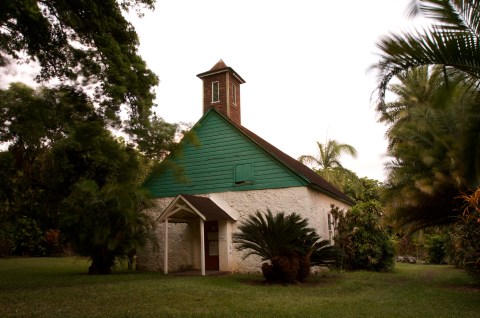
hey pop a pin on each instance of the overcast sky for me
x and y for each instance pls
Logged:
(305, 65)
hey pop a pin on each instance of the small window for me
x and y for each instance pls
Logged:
(243, 173)
(215, 92)
(234, 94)
(331, 228)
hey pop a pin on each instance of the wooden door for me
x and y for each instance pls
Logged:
(211, 245)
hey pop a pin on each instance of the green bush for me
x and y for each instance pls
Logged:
(105, 223)
(364, 243)
(7, 244)
(28, 238)
(25, 237)
(436, 246)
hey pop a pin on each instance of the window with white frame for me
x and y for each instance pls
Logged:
(215, 92)
(234, 94)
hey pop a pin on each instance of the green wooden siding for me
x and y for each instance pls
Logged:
(222, 155)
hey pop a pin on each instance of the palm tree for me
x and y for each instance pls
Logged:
(415, 88)
(329, 155)
(105, 223)
(421, 183)
(430, 141)
(433, 129)
(327, 164)
(287, 243)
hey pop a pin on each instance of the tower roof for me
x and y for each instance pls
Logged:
(221, 67)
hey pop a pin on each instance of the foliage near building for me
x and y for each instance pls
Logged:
(466, 238)
(104, 223)
(365, 244)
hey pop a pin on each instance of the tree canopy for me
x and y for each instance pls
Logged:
(86, 44)
(62, 169)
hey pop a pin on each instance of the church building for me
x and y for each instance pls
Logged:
(221, 173)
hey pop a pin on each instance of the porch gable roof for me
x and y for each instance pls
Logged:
(186, 208)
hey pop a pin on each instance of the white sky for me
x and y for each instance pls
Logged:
(304, 62)
(305, 65)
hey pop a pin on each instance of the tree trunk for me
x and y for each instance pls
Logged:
(102, 263)
(304, 267)
(286, 268)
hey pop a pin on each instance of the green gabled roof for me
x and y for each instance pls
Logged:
(293, 172)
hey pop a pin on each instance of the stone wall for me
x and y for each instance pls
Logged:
(310, 204)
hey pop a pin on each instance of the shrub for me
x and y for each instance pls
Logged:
(436, 246)
(364, 243)
(25, 237)
(53, 245)
(105, 223)
(7, 244)
(28, 237)
(467, 236)
(411, 244)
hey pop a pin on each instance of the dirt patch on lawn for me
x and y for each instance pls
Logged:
(429, 275)
(471, 288)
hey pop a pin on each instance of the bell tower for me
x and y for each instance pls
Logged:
(221, 90)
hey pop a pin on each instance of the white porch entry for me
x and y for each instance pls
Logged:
(196, 211)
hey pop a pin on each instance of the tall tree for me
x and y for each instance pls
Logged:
(61, 164)
(87, 44)
(415, 88)
(32, 122)
(433, 129)
(433, 149)
(329, 155)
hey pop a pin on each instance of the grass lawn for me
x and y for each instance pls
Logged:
(60, 287)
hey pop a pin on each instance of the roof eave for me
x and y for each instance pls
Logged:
(220, 71)
(333, 195)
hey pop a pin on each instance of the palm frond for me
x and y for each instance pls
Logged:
(451, 42)
(450, 14)
(309, 160)
(269, 236)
